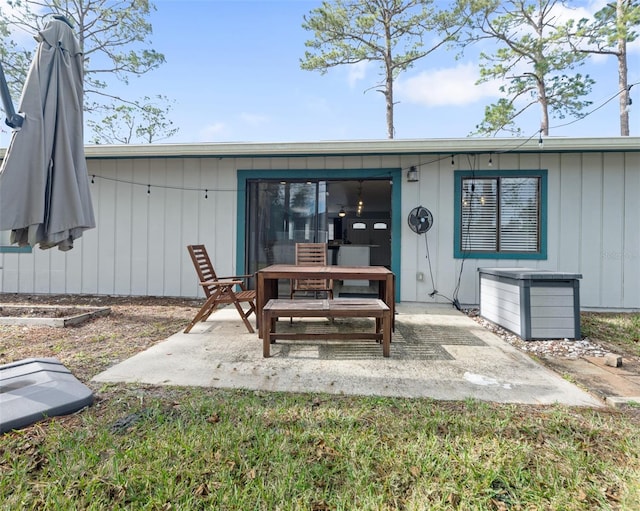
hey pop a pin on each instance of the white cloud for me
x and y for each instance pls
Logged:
(213, 131)
(356, 72)
(448, 86)
(253, 119)
(596, 5)
(562, 13)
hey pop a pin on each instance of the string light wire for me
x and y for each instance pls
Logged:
(628, 89)
(450, 156)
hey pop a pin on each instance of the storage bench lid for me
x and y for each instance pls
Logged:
(529, 274)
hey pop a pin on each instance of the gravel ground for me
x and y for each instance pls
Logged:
(566, 348)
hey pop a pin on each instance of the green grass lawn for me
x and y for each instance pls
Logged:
(163, 448)
(184, 449)
(618, 329)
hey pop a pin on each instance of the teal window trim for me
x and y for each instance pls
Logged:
(395, 174)
(459, 175)
(8, 249)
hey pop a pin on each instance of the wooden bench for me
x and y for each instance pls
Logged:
(337, 308)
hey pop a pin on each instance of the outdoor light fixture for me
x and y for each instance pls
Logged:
(412, 174)
(360, 202)
(342, 213)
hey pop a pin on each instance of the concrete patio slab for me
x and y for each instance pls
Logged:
(437, 352)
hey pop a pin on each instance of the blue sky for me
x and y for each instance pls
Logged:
(233, 70)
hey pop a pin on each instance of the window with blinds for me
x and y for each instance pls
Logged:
(498, 214)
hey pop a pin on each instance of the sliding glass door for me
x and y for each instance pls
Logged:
(281, 214)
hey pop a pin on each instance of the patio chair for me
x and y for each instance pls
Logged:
(220, 290)
(312, 254)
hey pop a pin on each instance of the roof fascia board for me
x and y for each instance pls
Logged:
(362, 148)
(366, 147)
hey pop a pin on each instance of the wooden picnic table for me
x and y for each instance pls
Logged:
(267, 282)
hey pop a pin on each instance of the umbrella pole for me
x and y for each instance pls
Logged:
(14, 120)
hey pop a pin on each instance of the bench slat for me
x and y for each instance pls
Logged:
(336, 308)
(339, 336)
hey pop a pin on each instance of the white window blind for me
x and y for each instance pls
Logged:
(500, 214)
(519, 214)
(479, 214)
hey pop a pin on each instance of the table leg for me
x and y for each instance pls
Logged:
(267, 289)
(259, 302)
(386, 293)
(266, 340)
(386, 333)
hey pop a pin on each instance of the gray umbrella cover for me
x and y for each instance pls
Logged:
(44, 184)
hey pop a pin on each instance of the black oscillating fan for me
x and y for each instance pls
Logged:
(420, 220)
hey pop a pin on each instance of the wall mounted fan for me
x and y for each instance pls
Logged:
(420, 220)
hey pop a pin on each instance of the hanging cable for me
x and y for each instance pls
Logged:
(595, 109)
(465, 247)
(382, 174)
(165, 187)
(538, 132)
(435, 292)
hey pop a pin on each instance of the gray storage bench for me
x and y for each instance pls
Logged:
(336, 308)
(534, 304)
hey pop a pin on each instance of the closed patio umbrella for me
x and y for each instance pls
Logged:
(44, 186)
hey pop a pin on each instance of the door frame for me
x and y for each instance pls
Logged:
(393, 174)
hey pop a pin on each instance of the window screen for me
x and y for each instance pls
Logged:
(500, 214)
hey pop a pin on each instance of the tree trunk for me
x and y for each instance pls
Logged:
(542, 86)
(544, 109)
(388, 86)
(388, 96)
(622, 73)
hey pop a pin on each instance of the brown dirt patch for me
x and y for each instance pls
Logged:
(134, 324)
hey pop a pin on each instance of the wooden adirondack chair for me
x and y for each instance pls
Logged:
(220, 291)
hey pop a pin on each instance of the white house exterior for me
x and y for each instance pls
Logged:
(152, 201)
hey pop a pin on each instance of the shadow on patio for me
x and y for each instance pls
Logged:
(437, 352)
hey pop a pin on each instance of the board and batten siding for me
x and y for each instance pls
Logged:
(139, 245)
(593, 226)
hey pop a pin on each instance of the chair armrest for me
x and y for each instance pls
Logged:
(221, 282)
(237, 277)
